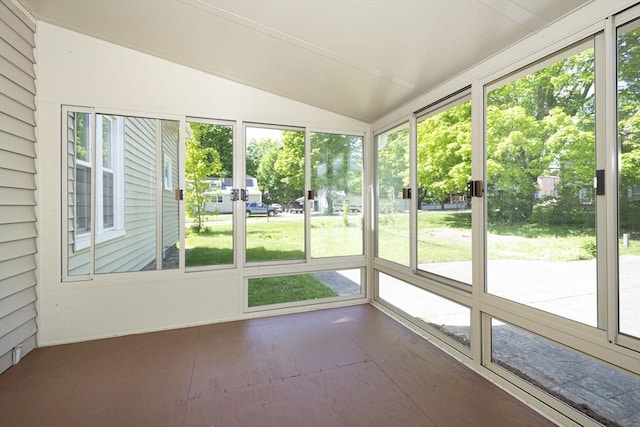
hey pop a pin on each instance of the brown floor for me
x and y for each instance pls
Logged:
(350, 366)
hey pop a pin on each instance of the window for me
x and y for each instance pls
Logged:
(108, 162)
(119, 218)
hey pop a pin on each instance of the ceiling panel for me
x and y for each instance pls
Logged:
(361, 59)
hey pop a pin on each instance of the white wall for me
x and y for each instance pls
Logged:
(74, 69)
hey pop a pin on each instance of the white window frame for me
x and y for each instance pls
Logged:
(95, 165)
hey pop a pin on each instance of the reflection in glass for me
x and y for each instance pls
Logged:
(392, 211)
(444, 211)
(629, 179)
(451, 319)
(336, 178)
(597, 390)
(541, 243)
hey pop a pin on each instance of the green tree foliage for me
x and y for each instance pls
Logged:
(289, 166)
(220, 139)
(542, 125)
(336, 166)
(256, 151)
(393, 162)
(444, 153)
(200, 163)
(629, 128)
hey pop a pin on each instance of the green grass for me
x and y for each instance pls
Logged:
(297, 287)
(442, 237)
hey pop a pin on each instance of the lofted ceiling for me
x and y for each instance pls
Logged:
(358, 58)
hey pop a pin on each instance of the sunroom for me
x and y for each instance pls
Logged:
(470, 168)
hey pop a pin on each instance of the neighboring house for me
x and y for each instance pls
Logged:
(219, 196)
(130, 182)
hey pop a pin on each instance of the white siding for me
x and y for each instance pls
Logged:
(17, 183)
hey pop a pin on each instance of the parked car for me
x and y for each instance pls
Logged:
(296, 206)
(259, 208)
(277, 207)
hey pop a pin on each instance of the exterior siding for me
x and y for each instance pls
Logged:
(170, 207)
(18, 229)
(136, 249)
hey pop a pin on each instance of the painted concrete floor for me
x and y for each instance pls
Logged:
(351, 366)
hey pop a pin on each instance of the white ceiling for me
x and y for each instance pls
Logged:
(358, 58)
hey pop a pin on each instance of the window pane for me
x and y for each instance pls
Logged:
(108, 200)
(304, 287)
(209, 209)
(541, 243)
(336, 178)
(82, 139)
(131, 244)
(78, 186)
(275, 194)
(392, 211)
(599, 391)
(629, 180)
(451, 319)
(170, 136)
(444, 215)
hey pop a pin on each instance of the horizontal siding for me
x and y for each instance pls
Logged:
(16, 301)
(17, 318)
(17, 196)
(20, 335)
(18, 230)
(17, 145)
(17, 283)
(14, 56)
(16, 127)
(25, 28)
(13, 214)
(18, 110)
(15, 74)
(13, 232)
(27, 345)
(16, 162)
(15, 266)
(17, 249)
(17, 179)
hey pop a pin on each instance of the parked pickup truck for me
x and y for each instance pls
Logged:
(259, 208)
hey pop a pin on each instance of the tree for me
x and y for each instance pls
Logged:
(289, 166)
(336, 165)
(539, 125)
(220, 139)
(256, 151)
(200, 163)
(444, 153)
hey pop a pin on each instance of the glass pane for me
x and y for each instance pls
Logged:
(275, 194)
(444, 214)
(541, 243)
(629, 182)
(130, 243)
(170, 206)
(336, 178)
(78, 186)
(599, 391)
(450, 318)
(208, 205)
(392, 211)
(304, 287)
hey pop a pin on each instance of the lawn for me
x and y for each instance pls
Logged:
(297, 287)
(442, 237)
